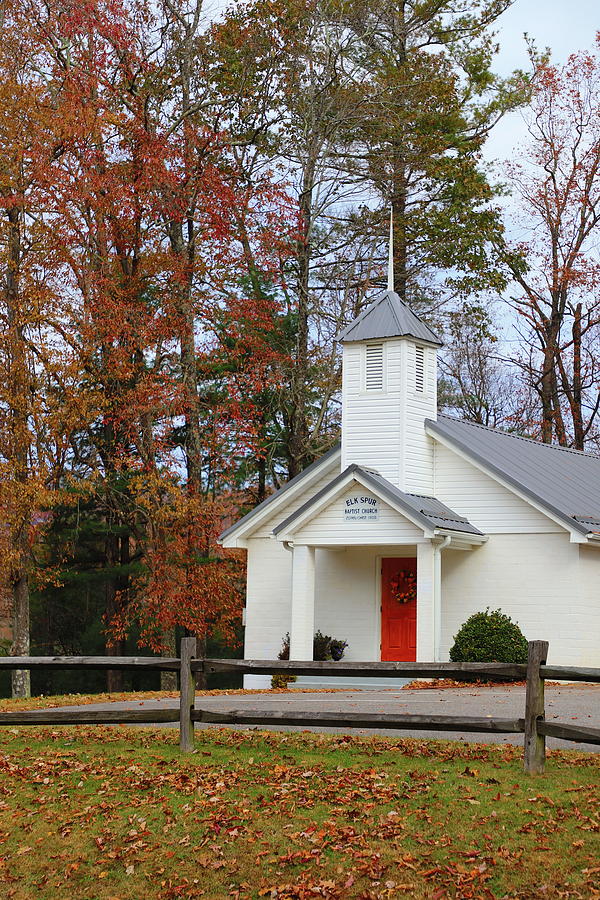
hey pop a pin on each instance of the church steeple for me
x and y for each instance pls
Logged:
(388, 316)
(388, 390)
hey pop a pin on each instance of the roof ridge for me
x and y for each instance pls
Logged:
(391, 299)
(518, 437)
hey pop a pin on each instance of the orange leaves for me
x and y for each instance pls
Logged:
(138, 364)
(188, 580)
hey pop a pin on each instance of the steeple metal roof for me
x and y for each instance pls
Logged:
(387, 317)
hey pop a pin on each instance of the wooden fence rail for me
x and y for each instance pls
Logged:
(533, 725)
(91, 662)
(461, 671)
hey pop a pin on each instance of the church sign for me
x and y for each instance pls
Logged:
(361, 509)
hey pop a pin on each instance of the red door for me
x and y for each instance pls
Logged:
(398, 619)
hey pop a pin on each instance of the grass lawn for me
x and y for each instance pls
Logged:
(109, 813)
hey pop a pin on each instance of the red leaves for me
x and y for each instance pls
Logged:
(555, 267)
(189, 580)
(141, 232)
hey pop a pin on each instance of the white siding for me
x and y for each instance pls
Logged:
(417, 446)
(371, 419)
(268, 597)
(585, 618)
(543, 582)
(330, 527)
(486, 504)
(384, 430)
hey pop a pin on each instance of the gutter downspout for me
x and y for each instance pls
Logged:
(437, 595)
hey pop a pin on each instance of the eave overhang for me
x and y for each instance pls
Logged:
(235, 536)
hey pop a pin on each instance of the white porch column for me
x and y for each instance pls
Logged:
(302, 627)
(426, 602)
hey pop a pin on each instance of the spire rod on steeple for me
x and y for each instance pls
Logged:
(390, 278)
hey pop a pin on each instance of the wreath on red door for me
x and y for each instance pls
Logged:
(403, 587)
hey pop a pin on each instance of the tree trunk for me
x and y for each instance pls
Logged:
(168, 680)
(193, 436)
(577, 413)
(546, 387)
(400, 172)
(114, 677)
(297, 444)
(399, 188)
(19, 394)
(21, 681)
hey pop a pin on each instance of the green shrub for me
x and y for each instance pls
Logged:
(281, 680)
(489, 636)
(324, 647)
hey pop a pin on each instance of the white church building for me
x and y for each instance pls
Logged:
(417, 520)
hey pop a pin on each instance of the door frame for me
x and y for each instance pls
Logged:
(411, 553)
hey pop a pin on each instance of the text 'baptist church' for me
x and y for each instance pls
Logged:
(361, 509)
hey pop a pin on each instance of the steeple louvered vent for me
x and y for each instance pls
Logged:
(374, 367)
(420, 369)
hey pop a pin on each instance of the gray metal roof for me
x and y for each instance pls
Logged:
(563, 481)
(427, 511)
(440, 515)
(386, 317)
(282, 490)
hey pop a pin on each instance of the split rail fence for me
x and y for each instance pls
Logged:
(533, 725)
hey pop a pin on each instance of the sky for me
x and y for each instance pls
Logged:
(564, 26)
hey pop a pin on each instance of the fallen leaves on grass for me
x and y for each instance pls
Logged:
(7, 704)
(105, 814)
(444, 684)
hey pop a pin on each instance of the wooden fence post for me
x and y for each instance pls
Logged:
(535, 743)
(187, 694)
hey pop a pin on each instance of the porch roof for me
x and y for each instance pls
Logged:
(428, 512)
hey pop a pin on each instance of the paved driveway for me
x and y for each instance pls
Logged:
(570, 704)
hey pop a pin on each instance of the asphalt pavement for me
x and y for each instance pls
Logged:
(570, 704)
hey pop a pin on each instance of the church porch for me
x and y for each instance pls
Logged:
(384, 600)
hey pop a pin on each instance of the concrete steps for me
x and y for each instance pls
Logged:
(348, 684)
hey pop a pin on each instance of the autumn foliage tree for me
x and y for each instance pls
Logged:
(553, 259)
(30, 146)
(134, 206)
